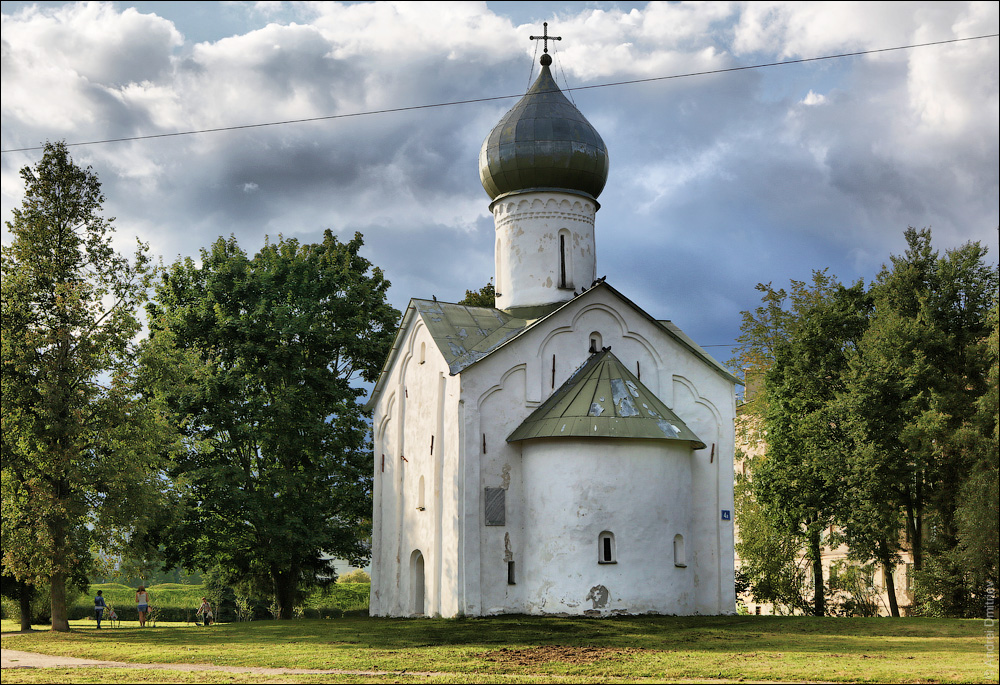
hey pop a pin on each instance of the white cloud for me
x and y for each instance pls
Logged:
(812, 99)
(754, 175)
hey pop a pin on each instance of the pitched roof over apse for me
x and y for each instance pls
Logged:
(602, 399)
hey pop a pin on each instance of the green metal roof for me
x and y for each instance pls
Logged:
(543, 142)
(602, 399)
(466, 334)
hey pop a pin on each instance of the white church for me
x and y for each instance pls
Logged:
(565, 453)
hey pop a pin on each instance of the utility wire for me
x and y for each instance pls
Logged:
(507, 97)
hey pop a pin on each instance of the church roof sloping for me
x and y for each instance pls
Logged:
(466, 334)
(602, 399)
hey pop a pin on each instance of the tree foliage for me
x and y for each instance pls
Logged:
(259, 360)
(803, 351)
(80, 446)
(484, 297)
(878, 419)
(912, 395)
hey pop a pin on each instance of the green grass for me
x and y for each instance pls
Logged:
(535, 649)
(342, 596)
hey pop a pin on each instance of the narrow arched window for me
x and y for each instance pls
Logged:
(606, 548)
(423, 352)
(595, 342)
(562, 260)
(679, 558)
(497, 267)
(565, 268)
(420, 494)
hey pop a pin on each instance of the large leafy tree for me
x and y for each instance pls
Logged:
(799, 479)
(878, 413)
(912, 394)
(260, 361)
(80, 447)
(978, 514)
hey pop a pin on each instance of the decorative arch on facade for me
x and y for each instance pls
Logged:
(680, 558)
(702, 404)
(623, 329)
(500, 385)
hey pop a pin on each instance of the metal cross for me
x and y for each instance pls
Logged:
(545, 37)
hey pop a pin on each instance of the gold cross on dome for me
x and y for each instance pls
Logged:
(545, 37)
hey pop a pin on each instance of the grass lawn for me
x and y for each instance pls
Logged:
(533, 649)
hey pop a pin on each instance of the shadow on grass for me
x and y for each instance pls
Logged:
(718, 634)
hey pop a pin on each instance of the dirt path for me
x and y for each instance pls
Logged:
(13, 658)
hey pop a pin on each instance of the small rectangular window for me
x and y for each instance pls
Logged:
(510, 573)
(496, 510)
(606, 548)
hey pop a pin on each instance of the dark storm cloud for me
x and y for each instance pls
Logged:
(717, 182)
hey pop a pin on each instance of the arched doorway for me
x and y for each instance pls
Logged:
(417, 583)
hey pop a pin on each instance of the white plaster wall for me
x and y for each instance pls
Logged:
(576, 489)
(527, 247)
(465, 566)
(419, 402)
(501, 390)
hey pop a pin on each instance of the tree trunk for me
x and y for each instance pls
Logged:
(57, 594)
(25, 593)
(284, 592)
(890, 583)
(819, 603)
(60, 622)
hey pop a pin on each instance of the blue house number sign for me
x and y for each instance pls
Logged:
(725, 515)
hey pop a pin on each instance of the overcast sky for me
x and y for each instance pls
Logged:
(718, 182)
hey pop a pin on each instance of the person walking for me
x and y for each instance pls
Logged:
(205, 610)
(99, 607)
(142, 604)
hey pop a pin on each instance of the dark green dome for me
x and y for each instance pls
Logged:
(543, 142)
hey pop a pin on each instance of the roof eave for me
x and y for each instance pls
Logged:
(391, 357)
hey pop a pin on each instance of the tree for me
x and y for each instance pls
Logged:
(977, 515)
(20, 592)
(878, 411)
(80, 447)
(912, 394)
(259, 361)
(800, 477)
(484, 297)
(770, 559)
(796, 344)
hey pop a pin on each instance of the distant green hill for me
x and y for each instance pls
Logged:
(178, 602)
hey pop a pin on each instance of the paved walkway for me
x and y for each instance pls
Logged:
(13, 658)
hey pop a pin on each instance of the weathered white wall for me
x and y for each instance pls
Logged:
(501, 390)
(554, 548)
(420, 401)
(640, 491)
(527, 247)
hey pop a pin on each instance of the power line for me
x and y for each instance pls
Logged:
(507, 97)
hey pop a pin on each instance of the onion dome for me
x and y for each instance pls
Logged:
(543, 143)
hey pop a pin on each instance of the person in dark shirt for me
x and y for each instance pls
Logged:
(99, 606)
